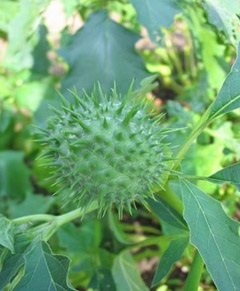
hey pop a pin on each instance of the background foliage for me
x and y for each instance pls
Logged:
(182, 55)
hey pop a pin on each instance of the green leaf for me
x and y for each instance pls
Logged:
(33, 204)
(156, 14)
(14, 175)
(228, 98)
(40, 61)
(214, 234)
(167, 213)
(44, 270)
(13, 263)
(6, 233)
(102, 51)
(169, 257)
(224, 17)
(228, 174)
(11, 267)
(125, 274)
(83, 239)
(21, 36)
(8, 10)
(102, 280)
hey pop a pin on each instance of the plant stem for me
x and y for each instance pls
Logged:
(52, 222)
(194, 276)
(70, 216)
(203, 122)
(33, 218)
(171, 198)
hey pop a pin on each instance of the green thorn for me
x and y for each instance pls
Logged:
(129, 116)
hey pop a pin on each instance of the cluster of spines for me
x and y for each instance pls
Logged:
(106, 149)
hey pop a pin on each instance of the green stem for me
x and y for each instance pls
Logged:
(171, 198)
(53, 223)
(34, 218)
(194, 276)
(65, 218)
(203, 122)
(79, 212)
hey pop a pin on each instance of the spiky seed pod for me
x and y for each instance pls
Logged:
(106, 149)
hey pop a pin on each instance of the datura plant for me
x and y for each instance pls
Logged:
(107, 149)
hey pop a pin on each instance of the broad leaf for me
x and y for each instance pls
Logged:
(155, 14)
(167, 213)
(6, 234)
(102, 51)
(215, 235)
(84, 239)
(169, 257)
(228, 98)
(44, 270)
(14, 175)
(224, 17)
(228, 174)
(126, 275)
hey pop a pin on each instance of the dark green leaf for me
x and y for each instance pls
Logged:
(6, 233)
(215, 235)
(11, 267)
(13, 263)
(6, 127)
(44, 270)
(83, 239)
(102, 280)
(102, 51)
(169, 257)
(40, 61)
(228, 174)
(228, 98)
(33, 204)
(14, 175)
(167, 213)
(156, 14)
(126, 275)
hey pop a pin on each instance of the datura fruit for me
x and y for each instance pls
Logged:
(108, 149)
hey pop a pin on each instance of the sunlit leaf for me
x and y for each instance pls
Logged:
(21, 34)
(214, 234)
